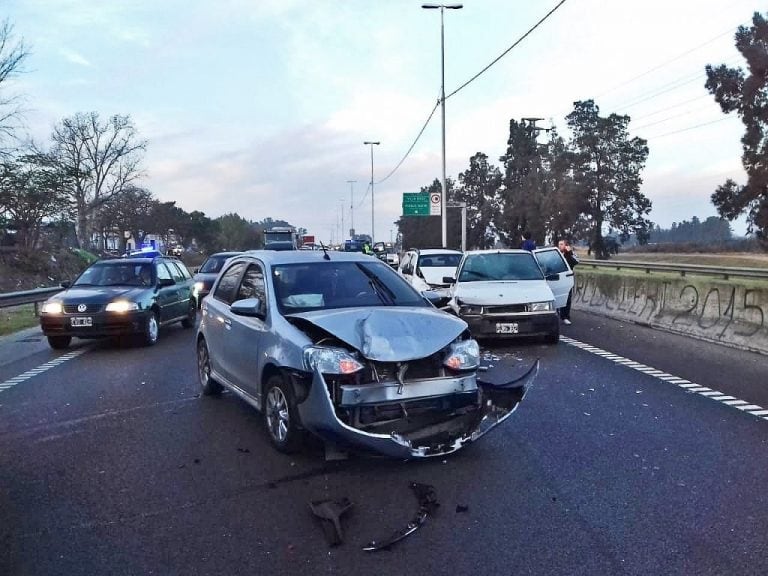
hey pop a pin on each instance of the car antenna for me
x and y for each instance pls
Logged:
(325, 252)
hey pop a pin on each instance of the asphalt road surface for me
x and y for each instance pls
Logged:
(619, 461)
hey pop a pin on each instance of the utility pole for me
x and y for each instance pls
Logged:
(372, 144)
(351, 205)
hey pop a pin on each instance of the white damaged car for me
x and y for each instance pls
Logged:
(509, 293)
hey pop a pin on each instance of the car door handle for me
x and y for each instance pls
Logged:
(228, 323)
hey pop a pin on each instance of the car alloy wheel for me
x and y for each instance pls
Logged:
(280, 416)
(151, 330)
(208, 385)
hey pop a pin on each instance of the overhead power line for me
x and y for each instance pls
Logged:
(668, 62)
(500, 56)
(729, 117)
(424, 127)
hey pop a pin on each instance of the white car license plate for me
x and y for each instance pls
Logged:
(506, 328)
(82, 321)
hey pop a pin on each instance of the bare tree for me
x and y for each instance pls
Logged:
(102, 159)
(12, 55)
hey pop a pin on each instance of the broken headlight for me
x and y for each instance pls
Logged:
(331, 360)
(463, 355)
(470, 310)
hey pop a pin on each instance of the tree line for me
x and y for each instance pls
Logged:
(561, 188)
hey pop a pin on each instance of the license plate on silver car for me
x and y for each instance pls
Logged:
(82, 321)
(506, 328)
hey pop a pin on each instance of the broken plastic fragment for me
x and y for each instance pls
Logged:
(428, 503)
(330, 512)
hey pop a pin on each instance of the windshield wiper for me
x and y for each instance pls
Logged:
(379, 287)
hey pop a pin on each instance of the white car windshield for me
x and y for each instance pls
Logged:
(499, 266)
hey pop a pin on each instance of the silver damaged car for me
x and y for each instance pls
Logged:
(340, 346)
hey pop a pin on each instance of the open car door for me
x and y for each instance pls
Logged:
(553, 264)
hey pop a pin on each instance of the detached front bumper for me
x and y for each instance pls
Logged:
(495, 403)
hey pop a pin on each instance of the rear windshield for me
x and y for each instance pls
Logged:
(213, 264)
(329, 284)
(500, 266)
(440, 261)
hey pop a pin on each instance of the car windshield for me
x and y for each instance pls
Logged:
(499, 266)
(117, 273)
(213, 264)
(329, 284)
(439, 260)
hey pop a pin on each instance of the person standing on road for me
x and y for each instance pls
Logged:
(528, 243)
(565, 249)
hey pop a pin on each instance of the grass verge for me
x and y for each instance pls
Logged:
(17, 318)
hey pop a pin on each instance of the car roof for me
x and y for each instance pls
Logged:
(433, 251)
(277, 257)
(229, 254)
(499, 251)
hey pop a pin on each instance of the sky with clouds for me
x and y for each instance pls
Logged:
(261, 107)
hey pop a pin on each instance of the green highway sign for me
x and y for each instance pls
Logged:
(415, 204)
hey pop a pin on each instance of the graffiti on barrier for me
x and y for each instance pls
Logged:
(712, 309)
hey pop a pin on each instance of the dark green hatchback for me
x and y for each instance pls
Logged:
(121, 297)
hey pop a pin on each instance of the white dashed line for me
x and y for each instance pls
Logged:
(11, 382)
(687, 385)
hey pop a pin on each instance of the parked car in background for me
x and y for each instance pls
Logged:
(387, 252)
(425, 269)
(339, 345)
(508, 293)
(120, 297)
(208, 272)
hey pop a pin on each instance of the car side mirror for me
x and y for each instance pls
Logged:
(66, 284)
(248, 307)
(449, 280)
(553, 277)
(165, 282)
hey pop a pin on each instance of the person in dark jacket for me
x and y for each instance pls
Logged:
(528, 243)
(565, 249)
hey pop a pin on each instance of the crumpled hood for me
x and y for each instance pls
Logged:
(434, 275)
(389, 334)
(503, 292)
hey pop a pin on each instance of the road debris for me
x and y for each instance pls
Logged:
(428, 503)
(330, 513)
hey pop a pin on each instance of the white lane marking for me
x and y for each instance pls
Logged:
(11, 382)
(686, 385)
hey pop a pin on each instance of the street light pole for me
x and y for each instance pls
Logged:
(372, 144)
(444, 191)
(343, 234)
(351, 203)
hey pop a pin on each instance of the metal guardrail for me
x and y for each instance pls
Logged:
(724, 272)
(28, 297)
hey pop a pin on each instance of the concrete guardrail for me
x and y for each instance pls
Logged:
(724, 305)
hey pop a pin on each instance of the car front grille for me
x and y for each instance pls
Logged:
(421, 368)
(505, 309)
(89, 308)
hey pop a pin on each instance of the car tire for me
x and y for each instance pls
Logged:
(208, 385)
(553, 337)
(280, 415)
(189, 321)
(151, 329)
(59, 342)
